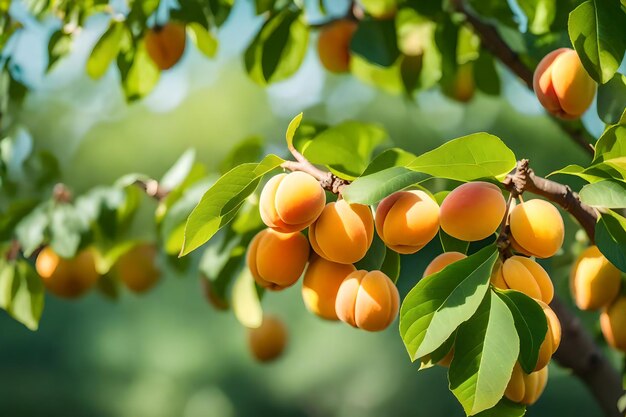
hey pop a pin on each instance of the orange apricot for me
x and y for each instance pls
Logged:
(267, 342)
(291, 202)
(526, 388)
(67, 278)
(165, 44)
(594, 281)
(537, 228)
(442, 261)
(472, 211)
(276, 260)
(320, 285)
(343, 232)
(137, 268)
(407, 220)
(613, 324)
(367, 300)
(553, 337)
(524, 275)
(333, 45)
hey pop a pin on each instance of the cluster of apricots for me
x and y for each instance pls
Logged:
(165, 44)
(71, 278)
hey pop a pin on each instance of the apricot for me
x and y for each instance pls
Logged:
(137, 269)
(343, 232)
(165, 44)
(613, 324)
(472, 211)
(553, 337)
(407, 220)
(320, 285)
(463, 85)
(276, 260)
(442, 261)
(211, 295)
(526, 388)
(267, 342)
(524, 275)
(367, 300)
(537, 228)
(562, 85)
(291, 202)
(594, 281)
(333, 45)
(67, 278)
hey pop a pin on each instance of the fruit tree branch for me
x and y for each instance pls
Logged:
(152, 188)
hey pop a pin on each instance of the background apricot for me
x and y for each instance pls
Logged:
(276, 260)
(320, 285)
(165, 45)
(537, 228)
(333, 45)
(442, 261)
(472, 211)
(291, 202)
(526, 388)
(67, 278)
(407, 220)
(211, 295)
(594, 281)
(613, 324)
(527, 276)
(553, 337)
(367, 300)
(137, 268)
(267, 342)
(562, 85)
(343, 232)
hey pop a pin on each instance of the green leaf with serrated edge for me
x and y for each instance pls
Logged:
(221, 202)
(106, 50)
(370, 189)
(476, 156)
(608, 194)
(391, 265)
(531, 325)
(438, 354)
(486, 349)
(246, 300)
(612, 99)
(597, 30)
(611, 238)
(611, 145)
(204, 40)
(374, 257)
(452, 244)
(437, 305)
(291, 129)
(505, 408)
(389, 158)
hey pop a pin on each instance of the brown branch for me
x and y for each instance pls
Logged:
(152, 188)
(328, 180)
(493, 42)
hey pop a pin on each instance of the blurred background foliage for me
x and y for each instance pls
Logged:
(168, 353)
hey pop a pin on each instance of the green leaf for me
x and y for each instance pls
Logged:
(248, 150)
(21, 292)
(221, 202)
(472, 157)
(592, 174)
(452, 244)
(486, 75)
(612, 99)
(142, 76)
(31, 231)
(437, 305)
(438, 354)
(389, 158)
(178, 172)
(495, 9)
(375, 256)
(370, 189)
(202, 38)
(597, 30)
(505, 408)
(486, 349)
(375, 41)
(611, 238)
(294, 124)
(106, 49)
(67, 225)
(540, 13)
(608, 194)
(611, 145)
(59, 45)
(531, 325)
(391, 265)
(246, 300)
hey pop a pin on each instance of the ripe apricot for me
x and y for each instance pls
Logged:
(407, 220)
(67, 278)
(291, 202)
(367, 300)
(594, 281)
(524, 275)
(137, 269)
(553, 337)
(321, 282)
(442, 261)
(166, 44)
(537, 228)
(267, 342)
(472, 211)
(613, 324)
(333, 45)
(562, 85)
(343, 232)
(276, 260)
(526, 388)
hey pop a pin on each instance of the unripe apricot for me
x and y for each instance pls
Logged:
(524, 275)
(165, 45)
(594, 281)
(291, 202)
(613, 324)
(367, 300)
(537, 228)
(407, 220)
(276, 260)
(267, 342)
(442, 261)
(333, 45)
(463, 86)
(320, 286)
(136, 268)
(562, 85)
(526, 388)
(343, 232)
(472, 211)
(67, 278)
(553, 337)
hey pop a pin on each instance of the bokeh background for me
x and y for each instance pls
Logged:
(168, 353)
